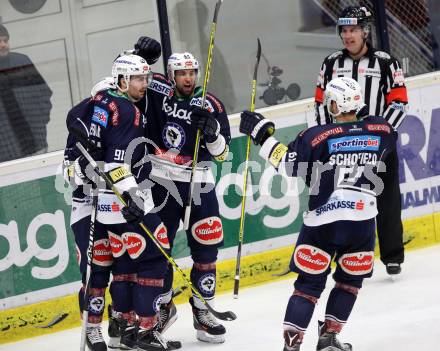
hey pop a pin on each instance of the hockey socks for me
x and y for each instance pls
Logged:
(339, 306)
(203, 277)
(299, 311)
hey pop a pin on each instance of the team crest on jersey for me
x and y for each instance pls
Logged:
(173, 136)
(100, 116)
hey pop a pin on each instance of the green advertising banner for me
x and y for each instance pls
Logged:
(37, 249)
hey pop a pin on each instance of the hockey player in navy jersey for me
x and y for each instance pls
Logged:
(173, 109)
(174, 113)
(340, 164)
(138, 266)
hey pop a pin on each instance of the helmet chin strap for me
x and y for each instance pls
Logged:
(127, 82)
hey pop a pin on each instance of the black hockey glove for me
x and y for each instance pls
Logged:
(256, 126)
(148, 48)
(204, 120)
(134, 211)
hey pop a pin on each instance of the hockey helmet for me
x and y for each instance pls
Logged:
(130, 65)
(355, 16)
(346, 93)
(180, 61)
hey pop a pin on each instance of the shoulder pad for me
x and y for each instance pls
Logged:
(382, 54)
(334, 55)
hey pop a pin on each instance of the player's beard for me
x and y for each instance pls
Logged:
(186, 91)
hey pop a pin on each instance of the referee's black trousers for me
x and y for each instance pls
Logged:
(389, 221)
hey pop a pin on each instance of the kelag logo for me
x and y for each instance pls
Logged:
(354, 143)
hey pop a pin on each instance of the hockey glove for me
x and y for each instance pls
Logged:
(82, 168)
(148, 48)
(204, 120)
(134, 211)
(256, 126)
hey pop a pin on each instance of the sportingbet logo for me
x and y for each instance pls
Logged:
(354, 143)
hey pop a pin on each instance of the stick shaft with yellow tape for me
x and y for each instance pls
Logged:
(204, 91)
(245, 174)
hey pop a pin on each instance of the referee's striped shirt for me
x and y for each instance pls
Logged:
(380, 76)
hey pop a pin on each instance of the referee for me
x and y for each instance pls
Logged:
(381, 78)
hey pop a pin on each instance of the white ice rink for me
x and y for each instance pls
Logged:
(401, 315)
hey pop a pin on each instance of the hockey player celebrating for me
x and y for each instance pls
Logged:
(138, 268)
(174, 113)
(339, 162)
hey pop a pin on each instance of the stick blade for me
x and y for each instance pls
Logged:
(224, 316)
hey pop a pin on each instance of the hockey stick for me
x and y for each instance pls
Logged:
(85, 313)
(245, 174)
(204, 90)
(225, 316)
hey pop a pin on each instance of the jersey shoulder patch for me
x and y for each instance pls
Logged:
(197, 101)
(161, 85)
(334, 55)
(382, 54)
(216, 102)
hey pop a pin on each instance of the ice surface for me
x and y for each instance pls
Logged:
(403, 315)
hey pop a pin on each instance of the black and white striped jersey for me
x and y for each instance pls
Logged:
(380, 76)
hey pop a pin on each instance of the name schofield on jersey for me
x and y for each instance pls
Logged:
(360, 158)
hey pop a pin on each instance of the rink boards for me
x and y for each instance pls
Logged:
(38, 270)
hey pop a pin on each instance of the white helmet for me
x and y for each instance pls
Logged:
(347, 94)
(130, 65)
(179, 61)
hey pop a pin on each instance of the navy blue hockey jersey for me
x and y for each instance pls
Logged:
(169, 126)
